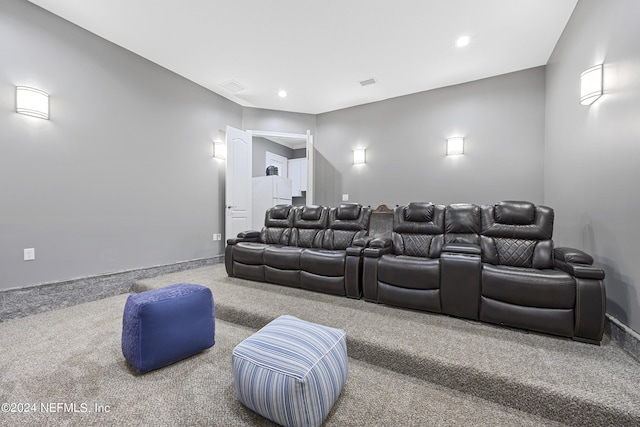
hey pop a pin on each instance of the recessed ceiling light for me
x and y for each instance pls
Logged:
(462, 41)
(282, 94)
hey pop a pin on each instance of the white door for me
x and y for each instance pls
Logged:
(237, 183)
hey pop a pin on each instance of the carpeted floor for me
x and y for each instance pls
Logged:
(406, 368)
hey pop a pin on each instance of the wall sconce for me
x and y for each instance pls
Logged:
(32, 102)
(359, 156)
(455, 146)
(220, 150)
(591, 85)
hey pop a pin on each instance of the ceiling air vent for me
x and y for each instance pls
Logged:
(368, 82)
(232, 86)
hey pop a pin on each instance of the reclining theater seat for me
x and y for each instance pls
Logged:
(406, 272)
(282, 263)
(520, 286)
(325, 269)
(244, 255)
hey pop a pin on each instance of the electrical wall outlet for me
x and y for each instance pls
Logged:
(215, 237)
(219, 236)
(345, 197)
(29, 254)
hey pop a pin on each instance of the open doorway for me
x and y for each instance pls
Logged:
(287, 155)
(297, 149)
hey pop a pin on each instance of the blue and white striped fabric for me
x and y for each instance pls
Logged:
(291, 371)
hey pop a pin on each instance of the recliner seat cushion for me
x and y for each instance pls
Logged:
(283, 257)
(323, 262)
(528, 286)
(249, 253)
(409, 272)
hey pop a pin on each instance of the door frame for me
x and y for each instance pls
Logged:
(309, 146)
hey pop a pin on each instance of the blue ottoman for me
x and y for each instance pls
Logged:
(291, 371)
(162, 326)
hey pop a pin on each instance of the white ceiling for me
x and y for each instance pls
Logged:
(319, 51)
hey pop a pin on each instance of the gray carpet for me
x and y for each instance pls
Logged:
(406, 368)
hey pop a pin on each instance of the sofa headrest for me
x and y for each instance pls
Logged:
(353, 217)
(515, 213)
(311, 217)
(311, 213)
(463, 218)
(419, 212)
(280, 211)
(419, 218)
(517, 220)
(348, 212)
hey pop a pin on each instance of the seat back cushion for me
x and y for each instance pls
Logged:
(462, 223)
(418, 230)
(309, 224)
(277, 225)
(517, 234)
(346, 223)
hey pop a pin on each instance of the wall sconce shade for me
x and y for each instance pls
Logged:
(32, 102)
(359, 156)
(455, 146)
(591, 85)
(220, 150)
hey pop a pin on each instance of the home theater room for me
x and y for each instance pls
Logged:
(336, 213)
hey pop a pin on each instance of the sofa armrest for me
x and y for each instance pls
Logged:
(462, 248)
(577, 263)
(249, 234)
(581, 271)
(572, 255)
(380, 243)
(376, 252)
(362, 242)
(354, 251)
(245, 236)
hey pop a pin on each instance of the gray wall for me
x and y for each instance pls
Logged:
(122, 176)
(278, 121)
(501, 118)
(259, 151)
(592, 152)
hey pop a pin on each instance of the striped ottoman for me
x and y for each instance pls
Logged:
(162, 326)
(291, 371)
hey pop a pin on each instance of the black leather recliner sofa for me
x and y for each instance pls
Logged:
(494, 263)
(310, 247)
